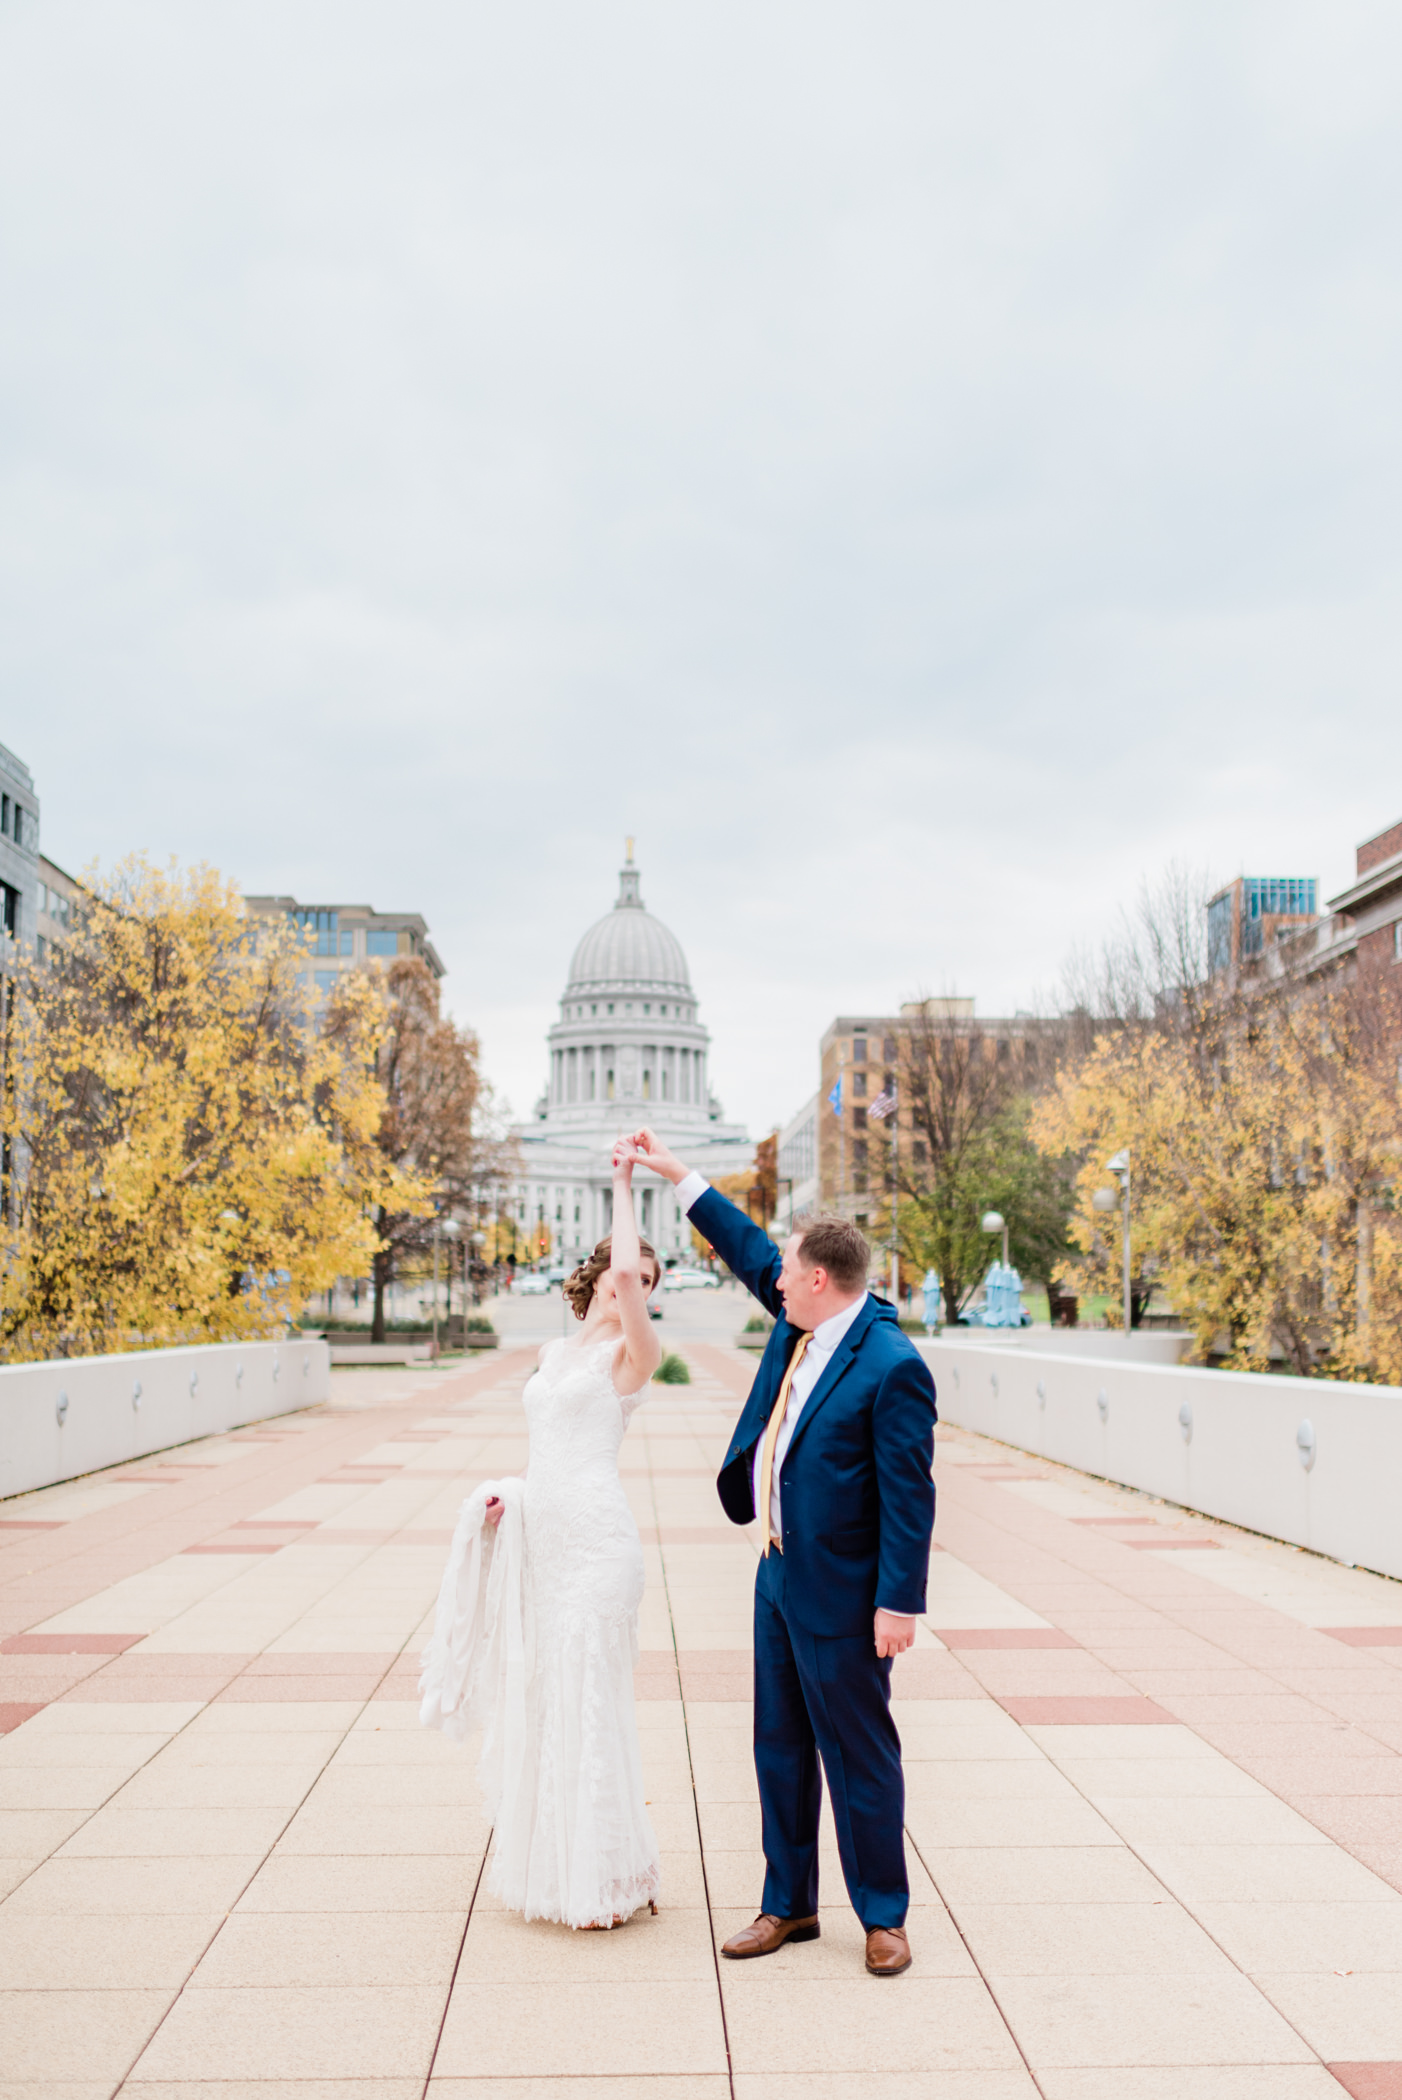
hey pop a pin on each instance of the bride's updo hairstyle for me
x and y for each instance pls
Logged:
(580, 1283)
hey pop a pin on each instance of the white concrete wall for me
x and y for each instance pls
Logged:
(123, 1407)
(1237, 1457)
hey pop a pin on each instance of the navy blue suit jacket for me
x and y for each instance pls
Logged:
(856, 1488)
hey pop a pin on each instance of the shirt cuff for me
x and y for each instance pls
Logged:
(911, 1615)
(688, 1189)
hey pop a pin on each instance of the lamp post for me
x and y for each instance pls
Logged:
(993, 1221)
(1106, 1199)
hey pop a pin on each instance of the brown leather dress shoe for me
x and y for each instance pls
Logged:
(888, 1951)
(767, 1935)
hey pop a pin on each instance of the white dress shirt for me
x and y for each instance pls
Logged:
(826, 1339)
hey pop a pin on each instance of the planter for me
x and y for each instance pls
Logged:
(481, 1341)
(751, 1341)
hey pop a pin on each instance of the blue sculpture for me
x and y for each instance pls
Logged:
(931, 1289)
(1002, 1299)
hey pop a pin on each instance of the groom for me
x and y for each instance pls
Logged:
(833, 1454)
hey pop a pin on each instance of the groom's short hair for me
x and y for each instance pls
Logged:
(834, 1244)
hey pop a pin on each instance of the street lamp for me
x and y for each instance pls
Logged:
(992, 1221)
(450, 1228)
(1107, 1199)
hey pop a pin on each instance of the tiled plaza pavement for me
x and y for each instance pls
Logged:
(1155, 1794)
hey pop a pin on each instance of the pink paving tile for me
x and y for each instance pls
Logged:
(1083, 1712)
(69, 1643)
(247, 1691)
(1005, 1637)
(13, 1712)
(318, 1664)
(233, 1546)
(274, 1524)
(1365, 1636)
(1369, 2081)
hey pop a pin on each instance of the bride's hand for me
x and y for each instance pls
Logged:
(496, 1510)
(624, 1156)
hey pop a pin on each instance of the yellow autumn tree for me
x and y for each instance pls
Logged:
(1265, 1137)
(186, 1155)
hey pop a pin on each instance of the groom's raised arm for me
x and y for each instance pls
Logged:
(750, 1253)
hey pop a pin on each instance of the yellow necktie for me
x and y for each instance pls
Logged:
(771, 1438)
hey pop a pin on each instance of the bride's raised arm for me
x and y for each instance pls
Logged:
(641, 1350)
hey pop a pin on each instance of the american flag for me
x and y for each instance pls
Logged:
(883, 1105)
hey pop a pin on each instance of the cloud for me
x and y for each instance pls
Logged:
(917, 468)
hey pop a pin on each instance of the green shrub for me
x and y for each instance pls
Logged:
(758, 1323)
(672, 1370)
(479, 1324)
(914, 1327)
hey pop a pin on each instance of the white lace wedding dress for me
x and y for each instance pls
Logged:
(535, 1640)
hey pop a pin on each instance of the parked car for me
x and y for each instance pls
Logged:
(690, 1280)
(557, 1274)
(531, 1285)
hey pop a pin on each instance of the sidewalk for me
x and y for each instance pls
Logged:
(1154, 1771)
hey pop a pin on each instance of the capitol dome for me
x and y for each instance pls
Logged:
(628, 951)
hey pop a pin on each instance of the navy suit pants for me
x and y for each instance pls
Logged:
(829, 1699)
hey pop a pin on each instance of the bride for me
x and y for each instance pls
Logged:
(536, 1632)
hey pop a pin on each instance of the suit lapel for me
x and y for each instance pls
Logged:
(842, 1357)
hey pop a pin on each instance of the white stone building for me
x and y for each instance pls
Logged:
(628, 1048)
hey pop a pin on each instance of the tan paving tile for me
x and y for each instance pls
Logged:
(925, 2024)
(32, 1833)
(1272, 2081)
(116, 1888)
(13, 1872)
(77, 1749)
(1059, 1938)
(713, 2085)
(1210, 1820)
(313, 1882)
(1040, 1874)
(175, 1833)
(673, 1947)
(1199, 1874)
(1346, 2019)
(286, 1716)
(1009, 2084)
(1297, 1937)
(347, 1786)
(54, 2035)
(934, 1823)
(199, 1749)
(61, 1786)
(295, 2033)
(619, 2028)
(272, 2089)
(229, 1784)
(74, 1952)
(363, 1949)
(1113, 2020)
(384, 1831)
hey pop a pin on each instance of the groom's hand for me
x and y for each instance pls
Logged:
(649, 1151)
(894, 1633)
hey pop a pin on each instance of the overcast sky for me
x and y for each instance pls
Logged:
(919, 467)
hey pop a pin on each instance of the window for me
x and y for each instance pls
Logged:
(325, 982)
(859, 1082)
(647, 1085)
(593, 1009)
(5, 814)
(319, 928)
(647, 1009)
(608, 1087)
(888, 1049)
(9, 907)
(859, 1119)
(21, 825)
(1397, 940)
(666, 1090)
(43, 898)
(576, 1214)
(382, 940)
(347, 943)
(662, 1009)
(592, 1078)
(859, 1049)
(610, 1006)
